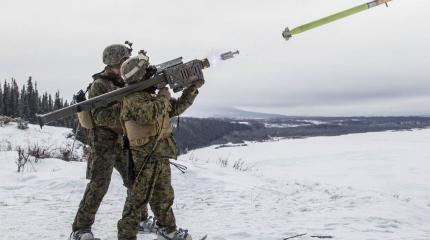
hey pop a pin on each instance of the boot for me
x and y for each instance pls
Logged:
(181, 234)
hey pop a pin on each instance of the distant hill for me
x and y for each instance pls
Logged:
(200, 132)
(231, 113)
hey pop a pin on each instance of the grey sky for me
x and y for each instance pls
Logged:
(374, 63)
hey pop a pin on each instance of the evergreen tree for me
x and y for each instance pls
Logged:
(31, 101)
(23, 107)
(6, 99)
(44, 103)
(14, 102)
(36, 99)
(1, 101)
(50, 103)
(58, 102)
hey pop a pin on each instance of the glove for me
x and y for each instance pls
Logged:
(198, 83)
(79, 97)
(150, 71)
(164, 92)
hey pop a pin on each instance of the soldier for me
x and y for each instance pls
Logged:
(146, 118)
(105, 141)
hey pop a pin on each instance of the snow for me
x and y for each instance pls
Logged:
(244, 123)
(53, 139)
(359, 186)
(315, 122)
(284, 125)
(303, 123)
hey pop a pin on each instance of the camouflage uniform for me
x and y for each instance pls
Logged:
(106, 152)
(151, 159)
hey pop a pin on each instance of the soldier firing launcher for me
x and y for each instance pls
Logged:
(287, 34)
(175, 73)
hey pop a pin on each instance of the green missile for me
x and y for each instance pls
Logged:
(287, 34)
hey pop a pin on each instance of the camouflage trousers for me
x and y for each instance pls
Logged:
(152, 185)
(106, 154)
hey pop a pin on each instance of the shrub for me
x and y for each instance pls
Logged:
(4, 120)
(223, 162)
(28, 157)
(22, 124)
(240, 165)
(25, 160)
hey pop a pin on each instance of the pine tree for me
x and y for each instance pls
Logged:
(50, 103)
(14, 99)
(6, 99)
(44, 103)
(36, 99)
(23, 106)
(1, 101)
(31, 101)
(58, 102)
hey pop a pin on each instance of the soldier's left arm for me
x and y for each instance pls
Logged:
(184, 101)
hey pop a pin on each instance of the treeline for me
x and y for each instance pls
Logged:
(26, 102)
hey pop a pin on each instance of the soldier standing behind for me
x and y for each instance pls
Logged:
(105, 141)
(146, 119)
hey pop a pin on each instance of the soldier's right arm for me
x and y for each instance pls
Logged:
(104, 116)
(184, 101)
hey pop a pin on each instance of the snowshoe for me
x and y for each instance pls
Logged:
(83, 234)
(181, 234)
(148, 226)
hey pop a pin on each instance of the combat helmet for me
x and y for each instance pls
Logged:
(113, 54)
(134, 69)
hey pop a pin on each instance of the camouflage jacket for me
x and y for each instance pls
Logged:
(146, 108)
(109, 116)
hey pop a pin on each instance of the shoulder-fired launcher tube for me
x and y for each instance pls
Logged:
(287, 34)
(175, 73)
(99, 101)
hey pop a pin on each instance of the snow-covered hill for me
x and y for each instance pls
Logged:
(362, 186)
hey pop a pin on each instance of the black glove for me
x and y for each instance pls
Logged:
(198, 83)
(150, 71)
(80, 96)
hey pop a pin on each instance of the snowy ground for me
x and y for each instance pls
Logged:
(361, 186)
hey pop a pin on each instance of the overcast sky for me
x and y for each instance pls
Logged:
(373, 63)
